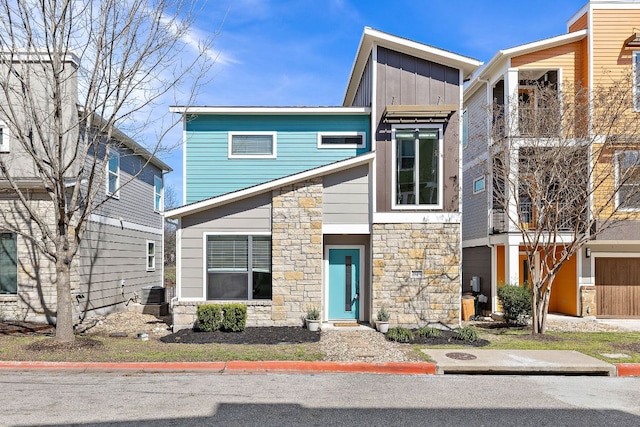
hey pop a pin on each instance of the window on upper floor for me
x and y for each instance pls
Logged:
(628, 180)
(151, 255)
(4, 138)
(478, 185)
(465, 129)
(113, 172)
(417, 174)
(341, 140)
(238, 267)
(636, 80)
(158, 194)
(252, 145)
(8, 264)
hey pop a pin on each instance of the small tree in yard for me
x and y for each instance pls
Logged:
(565, 168)
(70, 72)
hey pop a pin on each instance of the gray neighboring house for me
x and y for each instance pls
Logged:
(380, 226)
(121, 251)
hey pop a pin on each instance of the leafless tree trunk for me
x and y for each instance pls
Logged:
(71, 74)
(565, 168)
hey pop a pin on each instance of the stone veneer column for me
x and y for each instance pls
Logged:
(296, 237)
(434, 249)
(588, 301)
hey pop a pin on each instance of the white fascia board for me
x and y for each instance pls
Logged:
(417, 217)
(269, 110)
(498, 61)
(371, 37)
(268, 186)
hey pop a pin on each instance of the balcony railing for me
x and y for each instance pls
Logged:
(538, 121)
(529, 218)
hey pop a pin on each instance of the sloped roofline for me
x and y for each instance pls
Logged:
(499, 59)
(371, 37)
(268, 186)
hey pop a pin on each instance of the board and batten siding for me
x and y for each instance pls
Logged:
(109, 255)
(251, 215)
(209, 171)
(403, 79)
(346, 197)
(365, 86)
(476, 261)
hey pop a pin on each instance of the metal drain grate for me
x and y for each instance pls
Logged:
(461, 356)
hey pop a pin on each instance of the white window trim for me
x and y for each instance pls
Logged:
(161, 207)
(226, 233)
(484, 184)
(153, 267)
(617, 180)
(634, 82)
(4, 142)
(394, 162)
(273, 155)
(115, 194)
(465, 129)
(363, 144)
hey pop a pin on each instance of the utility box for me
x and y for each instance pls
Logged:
(475, 284)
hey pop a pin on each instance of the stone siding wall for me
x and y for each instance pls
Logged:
(184, 313)
(296, 238)
(434, 250)
(587, 301)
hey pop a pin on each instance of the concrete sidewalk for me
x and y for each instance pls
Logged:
(518, 362)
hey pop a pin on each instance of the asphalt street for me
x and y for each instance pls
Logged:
(195, 399)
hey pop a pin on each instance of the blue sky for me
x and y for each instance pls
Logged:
(300, 52)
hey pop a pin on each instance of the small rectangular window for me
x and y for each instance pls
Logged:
(4, 138)
(252, 145)
(158, 199)
(8, 264)
(478, 185)
(151, 255)
(113, 172)
(341, 140)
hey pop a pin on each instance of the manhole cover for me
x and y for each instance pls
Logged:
(461, 356)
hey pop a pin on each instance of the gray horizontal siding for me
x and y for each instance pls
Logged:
(246, 216)
(474, 206)
(109, 255)
(477, 133)
(346, 197)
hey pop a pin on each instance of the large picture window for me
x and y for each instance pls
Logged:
(8, 264)
(238, 267)
(417, 167)
(628, 180)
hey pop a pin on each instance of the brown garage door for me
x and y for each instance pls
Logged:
(618, 287)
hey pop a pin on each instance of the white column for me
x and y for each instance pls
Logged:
(512, 265)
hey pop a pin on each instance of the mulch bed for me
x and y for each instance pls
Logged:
(446, 338)
(254, 335)
(16, 327)
(51, 344)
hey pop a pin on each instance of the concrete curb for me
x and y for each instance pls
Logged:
(628, 369)
(417, 368)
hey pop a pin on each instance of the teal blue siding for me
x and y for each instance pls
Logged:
(210, 172)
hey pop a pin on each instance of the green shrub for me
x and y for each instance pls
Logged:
(383, 314)
(234, 317)
(429, 332)
(516, 304)
(466, 334)
(209, 317)
(313, 313)
(400, 334)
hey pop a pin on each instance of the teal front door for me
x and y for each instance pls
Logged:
(344, 283)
